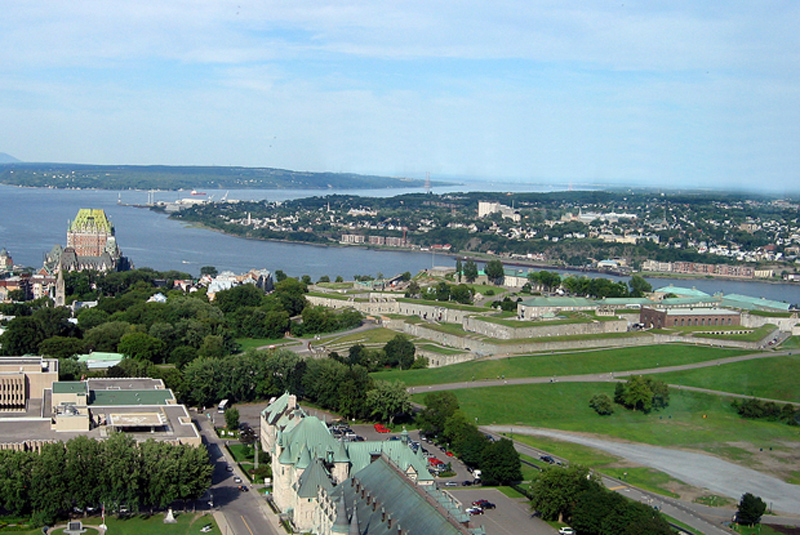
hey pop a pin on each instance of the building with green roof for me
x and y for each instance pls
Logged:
(309, 463)
(380, 500)
(680, 291)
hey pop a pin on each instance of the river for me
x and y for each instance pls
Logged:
(33, 220)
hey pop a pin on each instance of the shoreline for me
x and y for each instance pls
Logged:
(512, 262)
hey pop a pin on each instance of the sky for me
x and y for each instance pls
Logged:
(674, 93)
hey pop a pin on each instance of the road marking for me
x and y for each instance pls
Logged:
(618, 488)
(246, 525)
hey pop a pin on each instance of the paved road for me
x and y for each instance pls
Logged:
(245, 513)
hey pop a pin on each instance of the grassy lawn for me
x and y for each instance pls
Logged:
(444, 304)
(774, 378)
(694, 420)
(187, 523)
(510, 492)
(379, 335)
(760, 529)
(255, 343)
(439, 349)
(620, 359)
(793, 342)
(752, 336)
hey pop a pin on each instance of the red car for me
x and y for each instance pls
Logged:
(449, 453)
(434, 461)
(380, 428)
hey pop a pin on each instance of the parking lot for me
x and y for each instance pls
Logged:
(511, 516)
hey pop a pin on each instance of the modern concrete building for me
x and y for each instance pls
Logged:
(36, 408)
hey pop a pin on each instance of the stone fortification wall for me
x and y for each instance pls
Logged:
(369, 307)
(542, 329)
(437, 360)
(784, 324)
(432, 312)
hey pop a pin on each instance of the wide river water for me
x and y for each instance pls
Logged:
(32, 221)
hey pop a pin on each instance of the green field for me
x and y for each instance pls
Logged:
(694, 420)
(774, 378)
(621, 359)
(379, 335)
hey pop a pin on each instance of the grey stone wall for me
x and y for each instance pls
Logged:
(542, 329)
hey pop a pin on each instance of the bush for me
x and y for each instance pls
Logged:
(602, 404)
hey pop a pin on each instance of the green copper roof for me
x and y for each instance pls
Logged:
(70, 387)
(745, 301)
(402, 501)
(312, 479)
(360, 454)
(681, 291)
(91, 220)
(559, 302)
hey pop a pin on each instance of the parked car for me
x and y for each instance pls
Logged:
(380, 428)
(547, 459)
(242, 488)
(467, 483)
(451, 484)
(475, 511)
(237, 479)
(566, 531)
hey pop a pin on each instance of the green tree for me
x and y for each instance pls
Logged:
(413, 289)
(439, 406)
(141, 346)
(244, 295)
(280, 275)
(639, 287)
(400, 351)
(500, 464)
(106, 337)
(751, 509)
(495, 272)
(211, 271)
(638, 394)
(387, 400)
(554, 491)
(232, 418)
(23, 335)
(470, 271)
(459, 269)
(61, 347)
(291, 295)
(602, 404)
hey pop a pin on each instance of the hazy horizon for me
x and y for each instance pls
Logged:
(656, 94)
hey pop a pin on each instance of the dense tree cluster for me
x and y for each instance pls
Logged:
(642, 393)
(755, 409)
(498, 460)
(88, 473)
(571, 494)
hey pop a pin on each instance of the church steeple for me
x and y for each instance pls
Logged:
(61, 292)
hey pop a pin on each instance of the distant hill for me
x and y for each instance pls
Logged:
(121, 177)
(7, 158)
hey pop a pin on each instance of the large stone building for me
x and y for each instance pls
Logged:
(91, 245)
(324, 485)
(659, 317)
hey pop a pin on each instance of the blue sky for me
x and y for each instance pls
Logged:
(648, 93)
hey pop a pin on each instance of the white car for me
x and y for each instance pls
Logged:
(566, 531)
(237, 479)
(206, 528)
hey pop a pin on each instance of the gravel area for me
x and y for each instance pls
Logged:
(700, 470)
